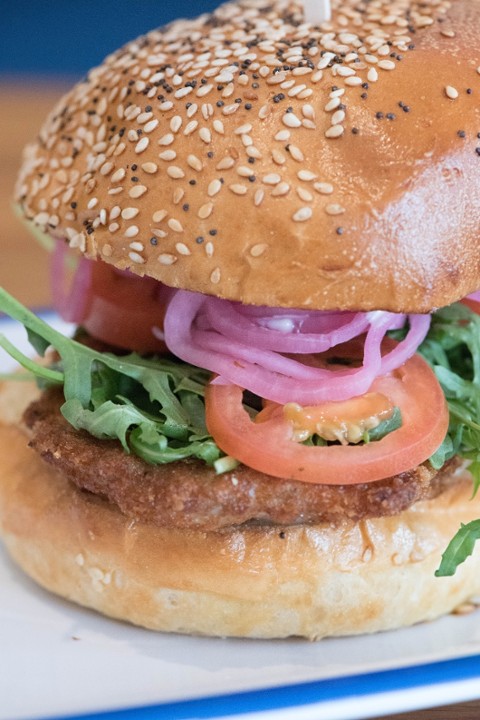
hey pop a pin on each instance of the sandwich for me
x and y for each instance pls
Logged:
(268, 421)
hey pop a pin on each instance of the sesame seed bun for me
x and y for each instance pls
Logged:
(314, 581)
(252, 156)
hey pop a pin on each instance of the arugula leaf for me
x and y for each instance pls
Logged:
(459, 548)
(452, 348)
(154, 407)
(385, 427)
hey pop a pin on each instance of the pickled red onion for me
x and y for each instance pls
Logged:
(225, 318)
(70, 304)
(203, 331)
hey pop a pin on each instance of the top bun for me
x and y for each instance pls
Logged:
(251, 155)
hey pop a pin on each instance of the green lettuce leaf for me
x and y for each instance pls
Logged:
(452, 348)
(154, 407)
(459, 548)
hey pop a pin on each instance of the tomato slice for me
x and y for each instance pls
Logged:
(268, 446)
(122, 309)
(472, 304)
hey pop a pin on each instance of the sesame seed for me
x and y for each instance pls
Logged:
(335, 131)
(167, 259)
(166, 139)
(150, 167)
(204, 90)
(281, 189)
(151, 125)
(238, 189)
(345, 71)
(137, 191)
(323, 188)
(195, 163)
(106, 168)
(136, 246)
(244, 171)
(205, 135)
(167, 155)
(214, 187)
(258, 249)
(190, 127)
(386, 64)
(303, 214)
(296, 153)
(215, 276)
(353, 81)
(258, 198)
(332, 104)
(131, 231)
(278, 157)
(304, 194)
(230, 109)
(338, 117)
(306, 175)
(451, 92)
(41, 218)
(182, 92)
(182, 249)
(271, 179)
(226, 163)
(129, 213)
(159, 215)
(175, 225)
(118, 175)
(308, 111)
(205, 211)
(175, 172)
(243, 129)
(136, 258)
(334, 209)
(291, 120)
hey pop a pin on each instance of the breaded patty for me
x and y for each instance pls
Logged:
(189, 494)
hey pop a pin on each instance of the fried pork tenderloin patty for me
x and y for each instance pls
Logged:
(189, 494)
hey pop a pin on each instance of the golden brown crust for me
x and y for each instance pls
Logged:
(212, 139)
(307, 581)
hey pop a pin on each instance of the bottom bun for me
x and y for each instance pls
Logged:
(256, 581)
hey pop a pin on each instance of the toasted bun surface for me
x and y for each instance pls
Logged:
(307, 581)
(252, 156)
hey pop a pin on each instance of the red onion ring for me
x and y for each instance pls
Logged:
(225, 318)
(203, 331)
(71, 304)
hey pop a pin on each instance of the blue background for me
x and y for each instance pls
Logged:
(67, 37)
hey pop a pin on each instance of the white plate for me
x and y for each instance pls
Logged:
(58, 660)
